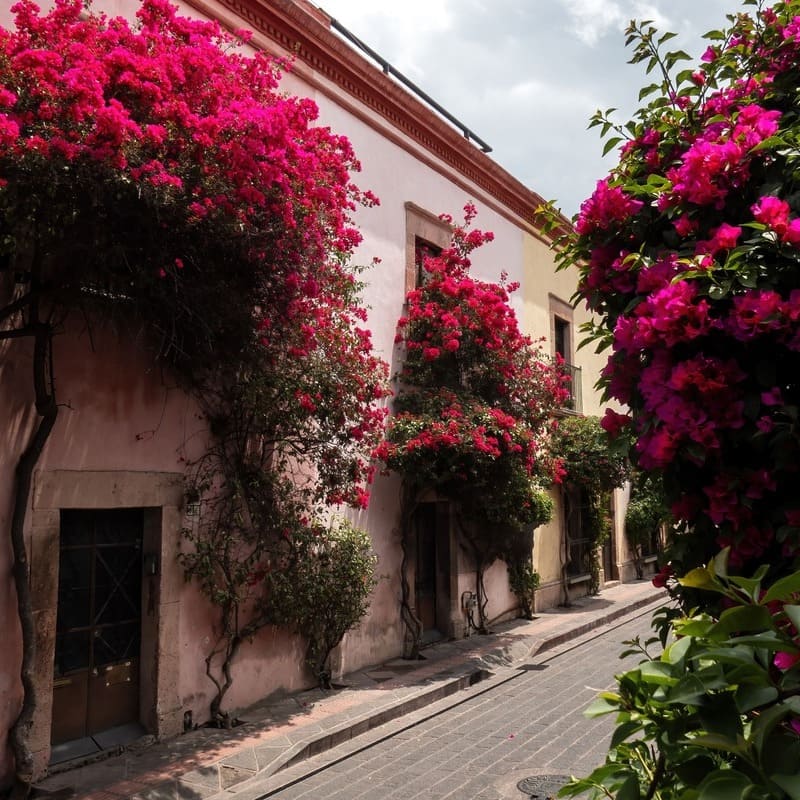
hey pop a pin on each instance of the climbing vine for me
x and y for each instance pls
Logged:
(474, 409)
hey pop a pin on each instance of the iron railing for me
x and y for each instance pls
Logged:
(388, 69)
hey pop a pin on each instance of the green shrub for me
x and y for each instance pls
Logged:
(322, 590)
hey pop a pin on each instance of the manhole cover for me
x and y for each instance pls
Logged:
(542, 787)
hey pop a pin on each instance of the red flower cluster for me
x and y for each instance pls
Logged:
(477, 398)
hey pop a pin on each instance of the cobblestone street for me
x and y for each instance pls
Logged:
(528, 723)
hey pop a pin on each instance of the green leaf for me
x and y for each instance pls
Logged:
(689, 690)
(765, 723)
(611, 144)
(715, 741)
(693, 770)
(694, 627)
(720, 716)
(752, 586)
(720, 563)
(769, 641)
(719, 291)
(629, 789)
(750, 697)
(698, 578)
(793, 612)
(676, 652)
(646, 91)
(658, 673)
(599, 707)
(790, 784)
(783, 588)
(724, 785)
(623, 731)
(743, 619)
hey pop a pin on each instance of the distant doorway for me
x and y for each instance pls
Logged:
(98, 631)
(432, 581)
(579, 543)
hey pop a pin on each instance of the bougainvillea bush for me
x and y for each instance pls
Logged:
(476, 399)
(474, 411)
(690, 258)
(154, 174)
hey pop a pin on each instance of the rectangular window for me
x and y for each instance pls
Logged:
(561, 339)
(561, 327)
(426, 235)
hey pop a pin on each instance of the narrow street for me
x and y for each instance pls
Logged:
(480, 745)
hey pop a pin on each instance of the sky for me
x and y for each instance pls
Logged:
(526, 75)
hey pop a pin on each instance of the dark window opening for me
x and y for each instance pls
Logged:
(562, 343)
(422, 251)
(561, 336)
(577, 512)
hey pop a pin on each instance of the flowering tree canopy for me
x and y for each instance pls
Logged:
(690, 252)
(154, 171)
(155, 174)
(474, 412)
(477, 397)
(690, 255)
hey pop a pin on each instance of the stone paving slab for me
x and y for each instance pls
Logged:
(207, 763)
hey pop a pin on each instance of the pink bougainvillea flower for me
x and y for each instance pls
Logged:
(607, 207)
(785, 661)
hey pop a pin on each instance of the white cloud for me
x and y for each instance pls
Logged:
(592, 20)
(400, 32)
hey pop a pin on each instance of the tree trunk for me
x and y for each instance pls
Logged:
(47, 409)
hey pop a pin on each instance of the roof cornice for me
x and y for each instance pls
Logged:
(323, 59)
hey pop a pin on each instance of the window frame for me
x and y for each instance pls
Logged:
(422, 226)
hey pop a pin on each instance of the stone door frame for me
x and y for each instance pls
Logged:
(161, 495)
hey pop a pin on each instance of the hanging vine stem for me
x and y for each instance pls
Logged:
(408, 506)
(47, 409)
(482, 559)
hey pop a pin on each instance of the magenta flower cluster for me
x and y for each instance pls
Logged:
(690, 254)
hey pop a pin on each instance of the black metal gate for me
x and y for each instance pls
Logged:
(98, 629)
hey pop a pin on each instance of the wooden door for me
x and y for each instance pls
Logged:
(426, 567)
(432, 583)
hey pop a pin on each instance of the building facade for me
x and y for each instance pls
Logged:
(108, 498)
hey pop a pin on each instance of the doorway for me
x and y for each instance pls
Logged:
(432, 576)
(98, 631)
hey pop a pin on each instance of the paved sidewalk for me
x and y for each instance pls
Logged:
(206, 762)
